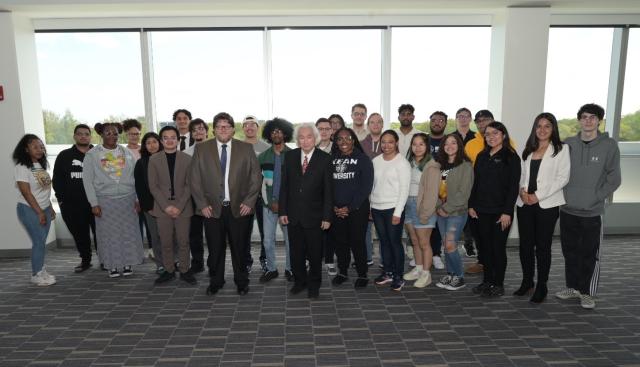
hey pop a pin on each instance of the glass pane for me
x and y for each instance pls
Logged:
(630, 123)
(439, 68)
(578, 66)
(209, 72)
(317, 73)
(88, 78)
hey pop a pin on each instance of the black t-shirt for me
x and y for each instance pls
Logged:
(533, 175)
(171, 161)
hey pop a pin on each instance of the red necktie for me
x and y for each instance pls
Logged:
(305, 163)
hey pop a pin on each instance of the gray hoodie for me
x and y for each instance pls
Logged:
(595, 174)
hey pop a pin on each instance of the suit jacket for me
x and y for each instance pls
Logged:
(206, 176)
(307, 199)
(160, 184)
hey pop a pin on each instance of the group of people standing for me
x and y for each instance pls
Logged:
(326, 196)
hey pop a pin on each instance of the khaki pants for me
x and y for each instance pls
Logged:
(178, 228)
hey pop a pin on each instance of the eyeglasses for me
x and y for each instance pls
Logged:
(438, 120)
(324, 129)
(110, 133)
(169, 138)
(276, 132)
(344, 138)
(199, 128)
(133, 134)
(492, 133)
(223, 127)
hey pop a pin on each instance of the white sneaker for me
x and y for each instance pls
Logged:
(568, 293)
(42, 279)
(424, 280)
(437, 263)
(331, 270)
(47, 275)
(444, 281)
(412, 275)
(586, 301)
(412, 263)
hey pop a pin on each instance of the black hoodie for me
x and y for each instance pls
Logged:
(67, 177)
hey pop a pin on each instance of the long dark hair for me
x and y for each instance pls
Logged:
(411, 157)
(533, 144)
(443, 158)
(144, 153)
(354, 138)
(20, 155)
(506, 140)
(394, 135)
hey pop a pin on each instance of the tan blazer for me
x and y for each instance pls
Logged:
(245, 177)
(160, 184)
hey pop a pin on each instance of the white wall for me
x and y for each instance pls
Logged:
(20, 112)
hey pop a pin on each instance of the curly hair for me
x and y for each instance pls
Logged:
(277, 123)
(335, 150)
(102, 126)
(21, 156)
(129, 123)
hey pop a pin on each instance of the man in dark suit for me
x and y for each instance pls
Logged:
(305, 206)
(225, 181)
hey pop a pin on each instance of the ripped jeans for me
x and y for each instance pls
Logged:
(451, 228)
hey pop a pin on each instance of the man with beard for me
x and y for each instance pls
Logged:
(75, 208)
(406, 130)
(437, 124)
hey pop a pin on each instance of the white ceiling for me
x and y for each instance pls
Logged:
(137, 8)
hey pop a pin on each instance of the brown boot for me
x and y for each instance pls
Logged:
(474, 268)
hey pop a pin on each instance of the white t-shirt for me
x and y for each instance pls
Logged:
(39, 182)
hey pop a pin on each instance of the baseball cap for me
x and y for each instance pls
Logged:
(249, 119)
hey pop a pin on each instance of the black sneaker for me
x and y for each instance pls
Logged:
(197, 267)
(455, 283)
(165, 277)
(114, 273)
(127, 271)
(268, 275)
(339, 279)
(82, 267)
(189, 277)
(478, 289)
(493, 291)
(361, 283)
(289, 275)
(469, 250)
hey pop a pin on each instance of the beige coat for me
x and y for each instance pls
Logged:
(427, 199)
(160, 184)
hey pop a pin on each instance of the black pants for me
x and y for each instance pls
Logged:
(329, 248)
(436, 242)
(580, 238)
(492, 241)
(468, 234)
(472, 223)
(217, 232)
(196, 242)
(306, 244)
(349, 234)
(81, 223)
(259, 217)
(536, 227)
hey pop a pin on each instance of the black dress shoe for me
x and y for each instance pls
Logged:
(525, 288)
(339, 279)
(197, 268)
(289, 275)
(211, 290)
(540, 293)
(297, 288)
(313, 293)
(189, 277)
(361, 283)
(165, 277)
(243, 290)
(82, 267)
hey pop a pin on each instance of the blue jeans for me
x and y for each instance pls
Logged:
(37, 233)
(270, 223)
(451, 227)
(390, 237)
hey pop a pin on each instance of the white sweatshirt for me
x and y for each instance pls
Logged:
(390, 184)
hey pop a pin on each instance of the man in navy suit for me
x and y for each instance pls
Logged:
(305, 205)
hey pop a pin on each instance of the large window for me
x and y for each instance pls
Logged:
(578, 66)
(439, 68)
(320, 72)
(630, 122)
(88, 78)
(209, 72)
